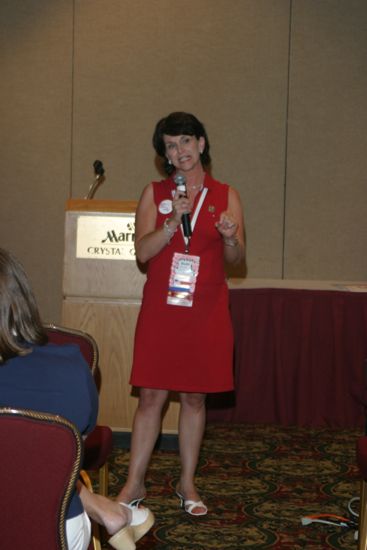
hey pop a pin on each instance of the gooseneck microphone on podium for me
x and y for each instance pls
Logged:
(180, 181)
(99, 178)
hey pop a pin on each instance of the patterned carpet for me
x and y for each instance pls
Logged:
(258, 481)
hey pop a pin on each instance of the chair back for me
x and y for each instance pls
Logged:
(98, 444)
(87, 344)
(40, 460)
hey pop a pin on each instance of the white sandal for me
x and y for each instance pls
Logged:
(190, 505)
(142, 519)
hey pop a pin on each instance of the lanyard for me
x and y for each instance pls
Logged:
(195, 217)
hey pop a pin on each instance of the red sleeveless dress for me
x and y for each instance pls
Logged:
(188, 349)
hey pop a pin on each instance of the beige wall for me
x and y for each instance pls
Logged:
(280, 84)
(326, 198)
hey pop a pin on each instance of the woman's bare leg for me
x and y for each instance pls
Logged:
(191, 430)
(104, 511)
(146, 428)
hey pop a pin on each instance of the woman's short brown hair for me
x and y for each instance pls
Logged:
(177, 124)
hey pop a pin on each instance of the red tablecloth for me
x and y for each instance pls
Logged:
(299, 358)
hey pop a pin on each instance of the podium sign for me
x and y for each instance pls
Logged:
(99, 259)
(106, 237)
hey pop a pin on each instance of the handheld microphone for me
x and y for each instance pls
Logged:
(99, 178)
(180, 181)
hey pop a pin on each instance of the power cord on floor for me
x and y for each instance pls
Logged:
(337, 521)
(329, 519)
(350, 508)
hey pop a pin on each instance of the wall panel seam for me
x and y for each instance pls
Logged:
(286, 136)
(72, 61)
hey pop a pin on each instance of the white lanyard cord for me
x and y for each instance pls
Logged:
(196, 213)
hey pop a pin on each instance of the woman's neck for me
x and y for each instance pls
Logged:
(194, 179)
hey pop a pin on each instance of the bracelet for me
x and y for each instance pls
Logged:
(231, 241)
(167, 230)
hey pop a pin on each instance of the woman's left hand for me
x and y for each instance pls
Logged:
(227, 225)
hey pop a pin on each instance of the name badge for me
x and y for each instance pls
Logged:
(182, 280)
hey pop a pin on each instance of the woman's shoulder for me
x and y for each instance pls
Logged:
(166, 180)
(166, 183)
(63, 358)
(58, 352)
(60, 360)
(213, 183)
(162, 189)
(217, 187)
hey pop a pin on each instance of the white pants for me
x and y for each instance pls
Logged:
(78, 532)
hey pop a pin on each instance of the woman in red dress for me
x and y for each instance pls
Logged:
(187, 227)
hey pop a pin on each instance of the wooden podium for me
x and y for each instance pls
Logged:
(102, 289)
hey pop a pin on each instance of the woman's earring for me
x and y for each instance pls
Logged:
(169, 162)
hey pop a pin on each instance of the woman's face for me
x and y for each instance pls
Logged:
(184, 151)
